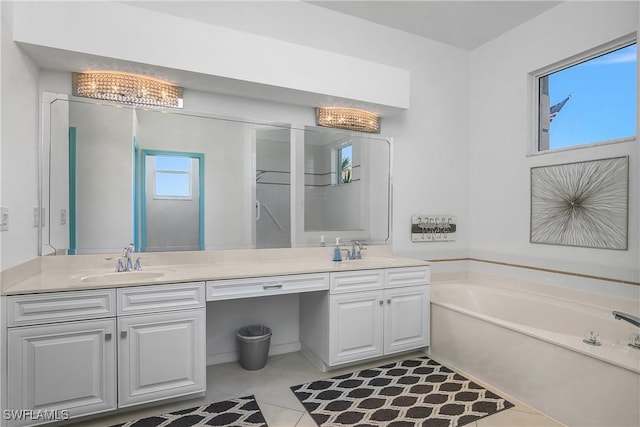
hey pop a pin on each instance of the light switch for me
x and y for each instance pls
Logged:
(63, 216)
(4, 218)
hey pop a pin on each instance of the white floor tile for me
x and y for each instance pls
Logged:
(271, 388)
(276, 416)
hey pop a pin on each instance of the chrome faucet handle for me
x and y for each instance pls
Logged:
(128, 265)
(119, 266)
(361, 247)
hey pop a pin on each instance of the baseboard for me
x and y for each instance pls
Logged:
(232, 356)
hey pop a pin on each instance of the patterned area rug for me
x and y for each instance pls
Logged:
(403, 394)
(241, 412)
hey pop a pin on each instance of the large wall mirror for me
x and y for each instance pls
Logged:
(176, 180)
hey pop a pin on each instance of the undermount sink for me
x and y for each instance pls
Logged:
(122, 277)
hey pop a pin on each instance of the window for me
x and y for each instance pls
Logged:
(172, 177)
(345, 164)
(589, 100)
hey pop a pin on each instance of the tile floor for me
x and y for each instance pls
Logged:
(282, 409)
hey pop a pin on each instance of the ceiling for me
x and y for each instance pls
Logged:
(465, 24)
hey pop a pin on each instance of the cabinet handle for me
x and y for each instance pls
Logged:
(380, 302)
(389, 301)
(123, 334)
(107, 337)
(267, 287)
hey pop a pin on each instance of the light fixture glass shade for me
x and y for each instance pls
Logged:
(127, 88)
(348, 118)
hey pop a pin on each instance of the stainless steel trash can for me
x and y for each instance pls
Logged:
(253, 346)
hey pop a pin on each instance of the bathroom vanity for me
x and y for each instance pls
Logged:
(84, 341)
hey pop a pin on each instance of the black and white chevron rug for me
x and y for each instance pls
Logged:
(240, 412)
(415, 392)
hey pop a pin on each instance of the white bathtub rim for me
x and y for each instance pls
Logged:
(614, 353)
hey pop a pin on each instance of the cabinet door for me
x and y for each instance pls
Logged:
(356, 326)
(161, 356)
(406, 318)
(65, 366)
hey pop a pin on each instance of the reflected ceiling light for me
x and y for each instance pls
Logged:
(348, 118)
(127, 88)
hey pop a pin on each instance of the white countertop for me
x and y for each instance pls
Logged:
(78, 272)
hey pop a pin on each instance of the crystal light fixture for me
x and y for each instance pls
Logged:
(127, 88)
(348, 118)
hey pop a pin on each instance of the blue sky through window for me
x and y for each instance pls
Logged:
(603, 100)
(173, 176)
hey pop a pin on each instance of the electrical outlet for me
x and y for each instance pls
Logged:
(63, 216)
(4, 218)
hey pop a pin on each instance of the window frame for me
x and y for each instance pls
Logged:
(603, 49)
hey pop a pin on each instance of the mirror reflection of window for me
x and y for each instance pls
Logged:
(172, 177)
(345, 164)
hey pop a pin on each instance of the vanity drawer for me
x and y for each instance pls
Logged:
(157, 298)
(407, 276)
(265, 286)
(60, 306)
(354, 281)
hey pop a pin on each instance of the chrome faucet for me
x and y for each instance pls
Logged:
(356, 249)
(634, 339)
(634, 320)
(128, 264)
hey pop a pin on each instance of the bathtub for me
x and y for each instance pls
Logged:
(530, 345)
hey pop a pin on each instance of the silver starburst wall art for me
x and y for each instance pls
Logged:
(581, 204)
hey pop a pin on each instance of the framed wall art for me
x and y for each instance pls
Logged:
(581, 204)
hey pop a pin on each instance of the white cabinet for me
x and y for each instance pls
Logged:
(356, 323)
(406, 318)
(370, 313)
(65, 369)
(162, 352)
(71, 354)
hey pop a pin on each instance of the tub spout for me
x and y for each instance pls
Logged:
(634, 320)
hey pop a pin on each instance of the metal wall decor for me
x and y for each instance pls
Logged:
(581, 204)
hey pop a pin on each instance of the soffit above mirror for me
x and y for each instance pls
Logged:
(288, 72)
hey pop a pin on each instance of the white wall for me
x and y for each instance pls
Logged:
(500, 137)
(19, 145)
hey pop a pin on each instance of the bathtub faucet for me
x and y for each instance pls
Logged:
(634, 320)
